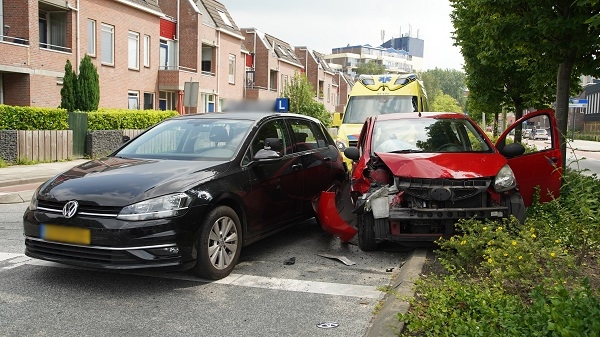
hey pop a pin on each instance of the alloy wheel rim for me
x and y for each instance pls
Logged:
(222, 243)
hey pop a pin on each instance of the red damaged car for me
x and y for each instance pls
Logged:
(416, 174)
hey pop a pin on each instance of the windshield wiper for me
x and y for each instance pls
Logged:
(406, 151)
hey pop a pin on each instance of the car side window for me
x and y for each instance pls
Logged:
(307, 135)
(271, 129)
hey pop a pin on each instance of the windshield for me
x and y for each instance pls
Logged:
(427, 135)
(189, 139)
(361, 107)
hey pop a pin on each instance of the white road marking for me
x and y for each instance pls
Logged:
(272, 283)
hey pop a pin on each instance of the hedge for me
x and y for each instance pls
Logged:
(118, 119)
(32, 118)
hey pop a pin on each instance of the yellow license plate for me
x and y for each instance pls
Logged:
(81, 236)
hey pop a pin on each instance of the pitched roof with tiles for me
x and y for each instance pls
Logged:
(150, 4)
(220, 16)
(283, 50)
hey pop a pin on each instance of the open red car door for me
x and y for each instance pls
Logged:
(541, 164)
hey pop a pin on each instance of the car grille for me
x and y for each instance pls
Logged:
(461, 189)
(56, 207)
(78, 254)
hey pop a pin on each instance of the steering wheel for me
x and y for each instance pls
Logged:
(448, 147)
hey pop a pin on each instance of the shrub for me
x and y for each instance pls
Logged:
(32, 118)
(67, 92)
(88, 86)
(117, 119)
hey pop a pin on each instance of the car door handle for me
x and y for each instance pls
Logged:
(297, 167)
(326, 158)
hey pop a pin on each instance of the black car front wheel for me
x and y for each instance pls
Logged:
(366, 232)
(219, 244)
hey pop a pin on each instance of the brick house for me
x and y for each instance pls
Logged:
(271, 64)
(321, 76)
(345, 83)
(201, 43)
(40, 36)
(142, 55)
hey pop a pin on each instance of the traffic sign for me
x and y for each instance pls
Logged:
(578, 103)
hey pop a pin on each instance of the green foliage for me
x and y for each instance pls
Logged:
(3, 163)
(449, 82)
(370, 68)
(32, 118)
(88, 86)
(67, 92)
(118, 119)
(445, 103)
(301, 94)
(510, 279)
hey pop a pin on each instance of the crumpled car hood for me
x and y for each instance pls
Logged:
(117, 181)
(444, 165)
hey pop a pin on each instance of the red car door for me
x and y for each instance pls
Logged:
(541, 164)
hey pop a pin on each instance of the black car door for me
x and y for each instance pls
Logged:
(275, 184)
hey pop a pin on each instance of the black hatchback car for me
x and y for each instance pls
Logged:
(189, 192)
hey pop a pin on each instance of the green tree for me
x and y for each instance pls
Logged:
(67, 92)
(445, 103)
(370, 68)
(528, 52)
(301, 94)
(88, 86)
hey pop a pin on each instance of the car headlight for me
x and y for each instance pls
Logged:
(158, 208)
(34, 202)
(505, 179)
(341, 145)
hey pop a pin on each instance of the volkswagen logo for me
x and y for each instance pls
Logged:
(70, 209)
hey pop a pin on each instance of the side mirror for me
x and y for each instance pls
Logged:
(352, 153)
(274, 144)
(512, 150)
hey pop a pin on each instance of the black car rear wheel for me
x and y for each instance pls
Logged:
(366, 232)
(218, 244)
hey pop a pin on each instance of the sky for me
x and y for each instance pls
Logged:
(325, 24)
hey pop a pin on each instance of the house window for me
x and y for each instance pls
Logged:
(107, 44)
(225, 18)
(208, 102)
(91, 36)
(273, 80)
(133, 100)
(328, 92)
(167, 55)
(146, 50)
(148, 101)
(166, 100)
(133, 50)
(208, 53)
(53, 30)
(231, 69)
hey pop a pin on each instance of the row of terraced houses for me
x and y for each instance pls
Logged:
(145, 52)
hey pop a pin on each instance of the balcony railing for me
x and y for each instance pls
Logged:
(15, 40)
(54, 47)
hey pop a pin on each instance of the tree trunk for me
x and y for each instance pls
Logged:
(562, 105)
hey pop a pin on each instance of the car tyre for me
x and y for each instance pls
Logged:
(366, 232)
(218, 244)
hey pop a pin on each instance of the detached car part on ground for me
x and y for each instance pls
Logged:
(416, 174)
(188, 193)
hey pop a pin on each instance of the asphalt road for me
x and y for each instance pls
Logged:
(263, 297)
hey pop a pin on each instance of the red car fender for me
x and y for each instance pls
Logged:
(330, 219)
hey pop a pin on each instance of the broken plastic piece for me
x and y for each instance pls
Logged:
(290, 261)
(343, 259)
(330, 219)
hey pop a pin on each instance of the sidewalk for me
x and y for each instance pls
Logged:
(18, 182)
